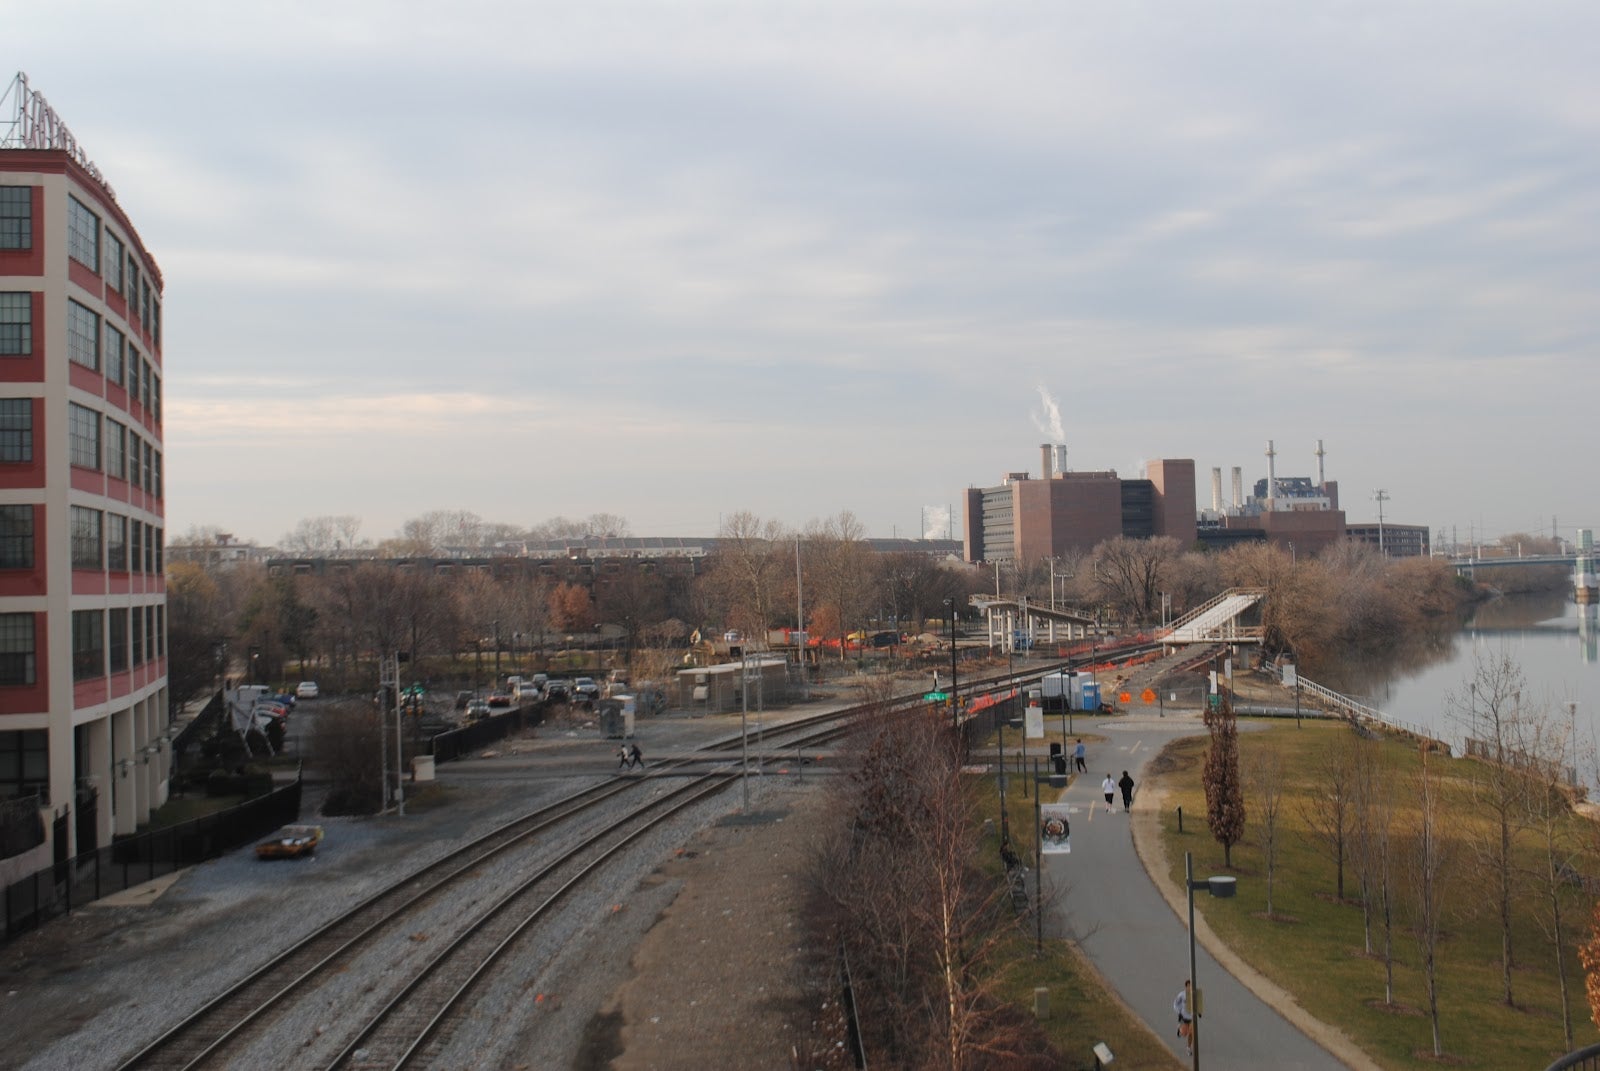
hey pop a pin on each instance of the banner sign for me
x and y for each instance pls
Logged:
(1033, 722)
(1055, 831)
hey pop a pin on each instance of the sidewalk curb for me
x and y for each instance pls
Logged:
(1151, 851)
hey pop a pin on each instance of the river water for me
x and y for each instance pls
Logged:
(1555, 642)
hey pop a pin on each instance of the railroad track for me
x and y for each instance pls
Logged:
(233, 1020)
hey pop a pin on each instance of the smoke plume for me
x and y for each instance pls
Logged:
(1048, 419)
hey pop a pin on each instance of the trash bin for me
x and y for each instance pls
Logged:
(422, 768)
(1055, 750)
(1059, 763)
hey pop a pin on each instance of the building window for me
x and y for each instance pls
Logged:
(116, 543)
(130, 287)
(155, 397)
(116, 444)
(16, 649)
(160, 540)
(86, 540)
(149, 468)
(16, 537)
(149, 633)
(149, 549)
(16, 324)
(83, 234)
(115, 346)
(138, 636)
(144, 302)
(155, 323)
(16, 429)
(88, 644)
(118, 642)
(136, 549)
(144, 383)
(131, 379)
(155, 480)
(161, 631)
(24, 763)
(16, 217)
(134, 445)
(83, 436)
(83, 335)
(113, 262)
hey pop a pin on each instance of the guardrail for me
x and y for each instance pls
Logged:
(1358, 711)
(1587, 1059)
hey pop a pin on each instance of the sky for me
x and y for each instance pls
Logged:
(679, 259)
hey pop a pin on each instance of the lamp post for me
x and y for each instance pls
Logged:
(955, 696)
(1221, 888)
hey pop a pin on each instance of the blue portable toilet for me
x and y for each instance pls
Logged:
(1091, 695)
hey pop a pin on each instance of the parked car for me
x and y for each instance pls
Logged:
(477, 709)
(585, 690)
(558, 690)
(500, 699)
(306, 690)
(290, 842)
(525, 693)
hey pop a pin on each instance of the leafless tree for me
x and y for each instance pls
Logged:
(841, 573)
(1491, 716)
(1130, 573)
(750, 571)
(1265, 774)
(322, 537)
(1327, 811)
(1426, 860)
(1550, 817)
(1373, 857)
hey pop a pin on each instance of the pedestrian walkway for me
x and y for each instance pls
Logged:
(1138, 940)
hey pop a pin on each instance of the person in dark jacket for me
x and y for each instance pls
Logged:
(1126, 784)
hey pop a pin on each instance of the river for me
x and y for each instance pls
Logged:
(1554, 641)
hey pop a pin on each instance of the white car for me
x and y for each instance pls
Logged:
(305, 690)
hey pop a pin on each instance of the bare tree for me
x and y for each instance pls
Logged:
(1491, 716)
(750, 571)
(1265, 772)
(1426, 868)
(841, 572)
(1130, 573)
(322, 537)
(1550, 817)
(1327, 811)
(1373, 818)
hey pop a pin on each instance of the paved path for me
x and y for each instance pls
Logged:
(1140, 944)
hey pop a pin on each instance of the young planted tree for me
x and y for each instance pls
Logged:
(1328, 811)
(1265, 771)
(1372, 842)
(1551, 820)
(1427, 855)
(1225, 814)
(1492, 718)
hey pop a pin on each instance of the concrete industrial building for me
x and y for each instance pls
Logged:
(83, 677)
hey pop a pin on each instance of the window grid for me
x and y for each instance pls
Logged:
(138, 636)
(149, 549)
(16, 217)
(133, 458)
(130, 379)
(116, 543)
(16, 324)
(149, 633)
(88, 644)
(136, 548)
(83, 234)
(83, 436)
(24, 762)
(16, 649)
(149, 468)
(160, 541)
(87, 549)
(117, 645)
(16, 537)
(83, 335)
(16, 429)
(156, 481)
(113, 258)
(144, 383)
(130, 286)
(116, 444)
(115, 346)
(161, 627)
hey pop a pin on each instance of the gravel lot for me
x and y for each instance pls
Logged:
(686, 959)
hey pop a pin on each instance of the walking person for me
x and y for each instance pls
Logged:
(1109, 787)
(635, 756)
(1126, 784)
(622, 756)
(1183, 1004)
(1077, 757)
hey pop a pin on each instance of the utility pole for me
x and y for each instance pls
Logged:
(1382, 496)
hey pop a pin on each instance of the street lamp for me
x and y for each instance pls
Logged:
(955, 700)
(1222, 888)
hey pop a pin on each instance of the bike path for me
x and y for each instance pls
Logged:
(1110, 904)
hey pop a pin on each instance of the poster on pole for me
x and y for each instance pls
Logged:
(1033, 722)
(1055, 831)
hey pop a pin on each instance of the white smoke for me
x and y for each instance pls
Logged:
(935, 522)
(1048, 419)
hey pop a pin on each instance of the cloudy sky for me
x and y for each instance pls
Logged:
(676, 259)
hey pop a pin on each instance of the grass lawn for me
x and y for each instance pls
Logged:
(1313, 944)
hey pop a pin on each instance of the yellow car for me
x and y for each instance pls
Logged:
(290, 842)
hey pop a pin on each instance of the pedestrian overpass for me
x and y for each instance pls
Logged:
(1218, 621)
(1020, 624)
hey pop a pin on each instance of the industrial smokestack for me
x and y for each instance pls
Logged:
(1238, 487)
(1044, 461)
(1272, 473)
(1216, 490)
(1321, 476)
(1061, 458)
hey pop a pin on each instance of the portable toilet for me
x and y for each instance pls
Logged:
(616, 718)
(1091, 695)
